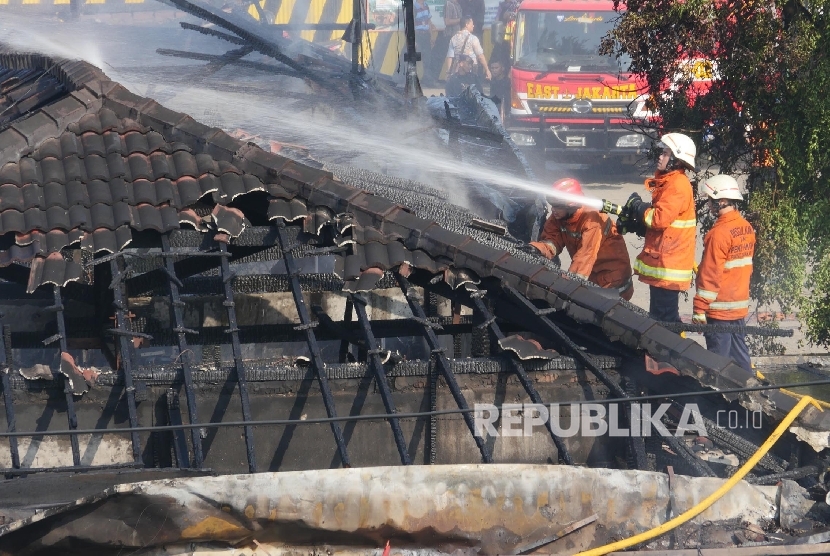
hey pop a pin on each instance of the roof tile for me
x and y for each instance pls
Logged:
(13, 145)
(288, 211)
(65, 111)
(29, 171)
(116, 166)
(112, 142)
(87, 123)
(36, 128)
(98, 191)
(136, 142)
(93, 144)
(118, 190)
(49, 148)
(185, 164)
(161, 167)
(52, 170)
(32, 196)
(190, 132)
(139, 165)
(54, 194)
(77, 193)
(229, 220)
(53, 270)
(73, 168)
(70, 145)
(221, 146)
(96, 167)
(158, 117)
(11, 197)
(17, 253)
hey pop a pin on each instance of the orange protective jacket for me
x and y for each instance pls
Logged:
(668, 254)
(723, 276)
(597, 250)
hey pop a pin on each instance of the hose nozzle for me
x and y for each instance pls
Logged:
(611, 208)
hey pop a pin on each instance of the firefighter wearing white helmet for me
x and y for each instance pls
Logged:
(682, 150)
(723, 275)
(668, 224)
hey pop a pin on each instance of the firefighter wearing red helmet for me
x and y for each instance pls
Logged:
(669, 225)
(597, 250)
(723, 278)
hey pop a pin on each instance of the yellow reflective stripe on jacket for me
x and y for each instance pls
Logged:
(649, 218)
(673, 275)
(683, 224)
(706, 294)
(724, 305)
(746, 261)
(680, 224)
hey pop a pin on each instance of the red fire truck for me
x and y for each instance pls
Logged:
(568, 102)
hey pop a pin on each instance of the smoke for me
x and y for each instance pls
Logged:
(32, 34)
(274, 108)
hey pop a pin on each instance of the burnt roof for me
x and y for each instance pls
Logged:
(94, 164)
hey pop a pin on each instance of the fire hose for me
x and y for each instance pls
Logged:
(726, 328)
(715, 496)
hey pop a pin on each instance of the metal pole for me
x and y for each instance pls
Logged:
(411, 57)
(357, 42)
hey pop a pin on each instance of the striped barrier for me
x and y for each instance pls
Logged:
(383, 51)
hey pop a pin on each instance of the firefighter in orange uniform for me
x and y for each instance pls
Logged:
(669, 226)
(597, 251)
(723, 276)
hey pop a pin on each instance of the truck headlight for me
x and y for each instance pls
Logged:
(523, 139)
(631, 140)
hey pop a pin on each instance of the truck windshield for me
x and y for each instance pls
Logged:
(566, 40)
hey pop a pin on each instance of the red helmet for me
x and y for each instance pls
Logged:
(568, 185)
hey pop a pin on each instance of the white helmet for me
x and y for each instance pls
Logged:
(723, 187)
(682, 148)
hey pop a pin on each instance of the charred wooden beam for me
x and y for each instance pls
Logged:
(540, 316)
(489, 321)
(248, 33)
(238, 363)
(126, 349)
(443, 364)
(222, 60)
(316, 356)
(71, 416)
(8, 399)
(177, 314)
(359, 303)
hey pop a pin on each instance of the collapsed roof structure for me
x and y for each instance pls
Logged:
(144, 254)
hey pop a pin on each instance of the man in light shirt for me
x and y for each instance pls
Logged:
(465, 42)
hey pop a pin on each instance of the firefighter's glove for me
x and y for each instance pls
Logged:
(530, 248)
(624, 223)
(635, 208)
(698, 318)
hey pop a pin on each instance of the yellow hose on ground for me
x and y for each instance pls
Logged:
(715, 496)
(792, 394)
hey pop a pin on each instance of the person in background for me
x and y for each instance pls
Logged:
(669, 225)
(500, 85)
(597, 250)
(423, 37)
(452, 25)
(723, 276)
(474, 9)
(463, 77)
(465, 42)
